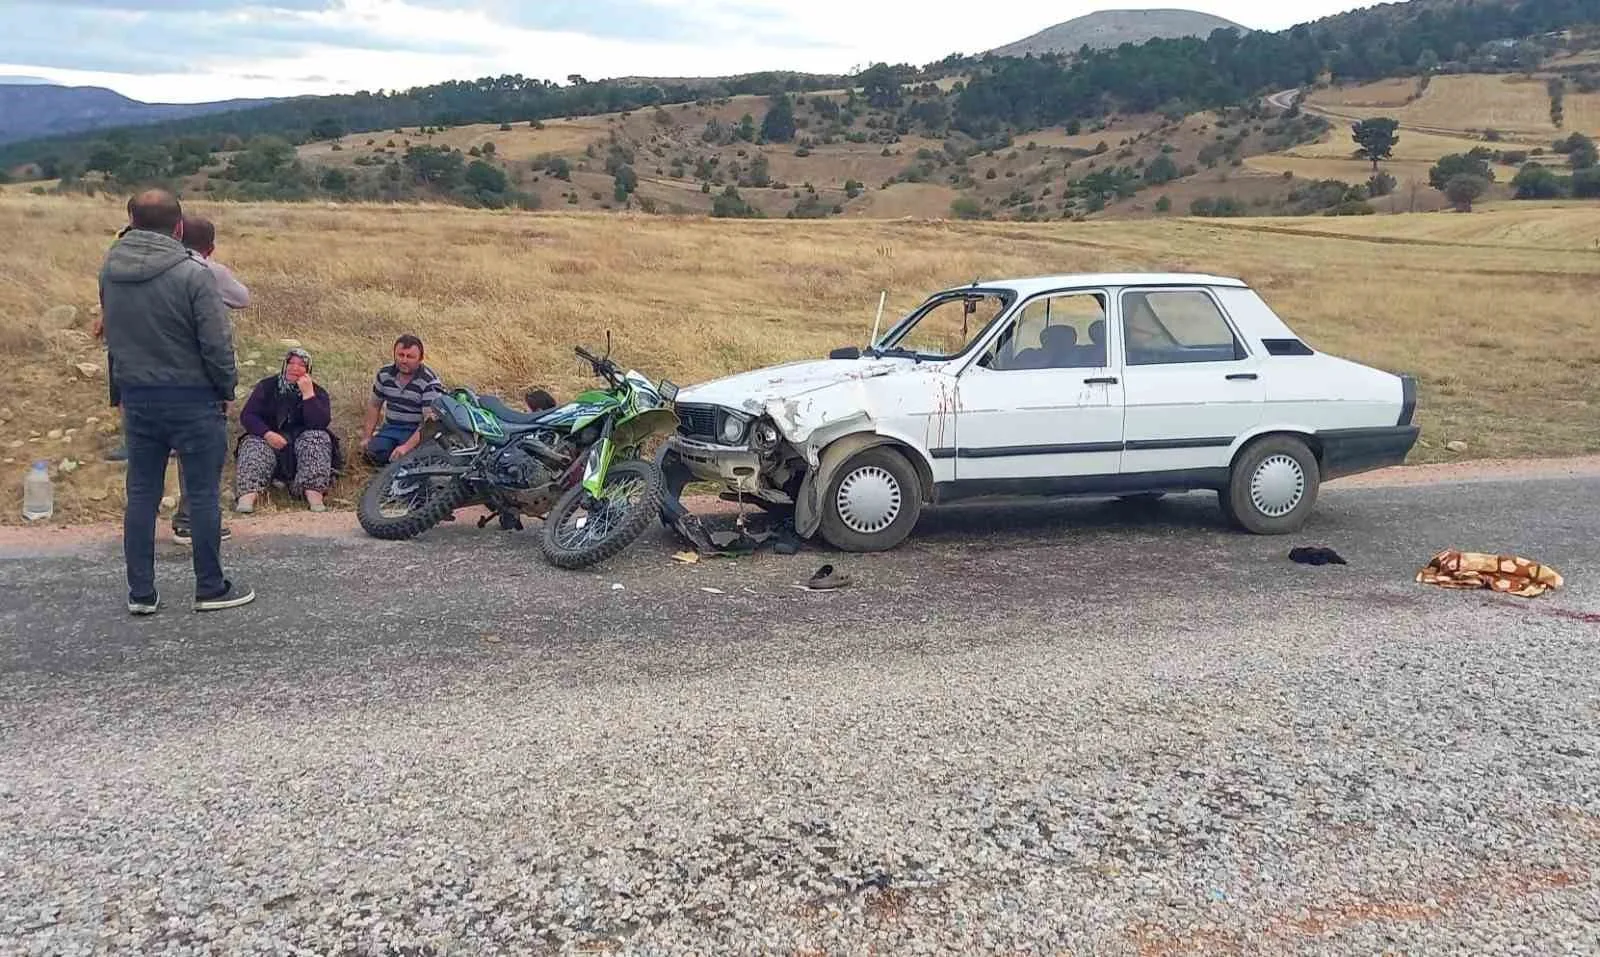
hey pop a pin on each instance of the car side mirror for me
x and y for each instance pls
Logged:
(845, 352)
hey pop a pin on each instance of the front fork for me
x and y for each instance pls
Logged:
(598, 462)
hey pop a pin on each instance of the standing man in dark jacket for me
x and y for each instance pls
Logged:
(171, 349)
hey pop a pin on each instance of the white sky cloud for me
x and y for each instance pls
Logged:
(290, 47)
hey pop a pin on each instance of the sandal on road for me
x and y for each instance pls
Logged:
(827, 577)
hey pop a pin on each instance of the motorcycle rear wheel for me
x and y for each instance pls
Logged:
(579, 532)
(395, 508)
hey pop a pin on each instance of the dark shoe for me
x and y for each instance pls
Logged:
(233, 595)
(828, 577)
(144, 606)
(118, 454)
(182, 536)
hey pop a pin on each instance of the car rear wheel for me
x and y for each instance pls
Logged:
(873, 502)
(1272, 487)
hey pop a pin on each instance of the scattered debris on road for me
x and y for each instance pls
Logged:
(1507, 574)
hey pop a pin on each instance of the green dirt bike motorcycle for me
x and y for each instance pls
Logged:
(579, 467)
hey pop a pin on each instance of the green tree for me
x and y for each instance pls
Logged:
(1534, 181)
(559, 168)
(335, 180)
(1474, 163)
(1164, 204)
(746, 130)
(327, 128)
(778, 125)
(965, 207)
(729, 204)
(1464, 188)
(758, 174)
(1376, 138)
(105, 157)
(1586, 183)
(1160, 170)
(1381, 184)
(1581, 152)
(880, 86)
(435, 165)
(624, 182)
(484, 177)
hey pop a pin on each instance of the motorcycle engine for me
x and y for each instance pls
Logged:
(517, 467)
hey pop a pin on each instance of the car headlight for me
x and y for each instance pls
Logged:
(732, 429)
(764, 437)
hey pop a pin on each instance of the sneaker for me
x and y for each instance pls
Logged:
(233, 595)
(246, 504)
(182, 536)
(144, 606)
(118, 454)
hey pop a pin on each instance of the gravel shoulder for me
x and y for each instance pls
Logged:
(1078, 726)
(18, 540)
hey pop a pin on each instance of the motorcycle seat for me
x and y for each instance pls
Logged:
(507, 414)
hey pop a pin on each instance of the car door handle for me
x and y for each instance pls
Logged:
(1240, 376)
(1102, 380)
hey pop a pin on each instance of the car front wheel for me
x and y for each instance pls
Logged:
(872, 503)
(1272, 487)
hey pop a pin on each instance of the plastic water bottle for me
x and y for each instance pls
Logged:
(38, 497)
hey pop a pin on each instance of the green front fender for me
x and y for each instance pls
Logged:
(635, 430)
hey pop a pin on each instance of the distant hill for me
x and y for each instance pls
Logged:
(1108, 29)
(32, 109)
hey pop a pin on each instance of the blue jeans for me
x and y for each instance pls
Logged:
(389, 438)
(198, 432)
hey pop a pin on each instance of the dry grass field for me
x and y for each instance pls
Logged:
(1513, 104)
(1494, 310)
(1331, 157)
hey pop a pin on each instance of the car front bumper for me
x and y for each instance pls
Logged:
(734, 467)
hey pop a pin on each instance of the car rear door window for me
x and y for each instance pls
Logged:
(1163, 326)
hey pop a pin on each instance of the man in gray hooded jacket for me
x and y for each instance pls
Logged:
(171, 350)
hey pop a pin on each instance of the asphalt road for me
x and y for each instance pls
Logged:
(1077, 726)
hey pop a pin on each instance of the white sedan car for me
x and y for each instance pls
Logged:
(1128, 385)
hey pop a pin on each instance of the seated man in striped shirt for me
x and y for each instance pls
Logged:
(400, 392)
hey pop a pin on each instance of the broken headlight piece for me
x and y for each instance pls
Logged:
(764, 437)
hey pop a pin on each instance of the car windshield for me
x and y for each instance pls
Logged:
(945, 326)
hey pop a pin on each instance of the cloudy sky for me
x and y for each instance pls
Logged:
(190, 50)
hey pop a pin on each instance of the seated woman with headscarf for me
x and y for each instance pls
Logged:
(287, 436)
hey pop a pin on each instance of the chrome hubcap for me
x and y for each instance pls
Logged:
(1278, 486)
(869, 500)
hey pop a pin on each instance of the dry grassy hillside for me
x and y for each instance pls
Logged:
(1516, 105)
(893, 174)
(1449, 114)
(1481, 306)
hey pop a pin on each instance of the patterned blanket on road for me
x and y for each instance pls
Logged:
(1509, 574)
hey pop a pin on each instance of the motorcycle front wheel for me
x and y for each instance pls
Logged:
(580, 531)
(395, 506)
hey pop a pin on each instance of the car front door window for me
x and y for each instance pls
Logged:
(1053, 332)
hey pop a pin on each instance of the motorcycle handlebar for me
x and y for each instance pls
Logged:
(602, 367)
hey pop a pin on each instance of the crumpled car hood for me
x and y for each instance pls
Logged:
(789, 392)
(751, 391)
